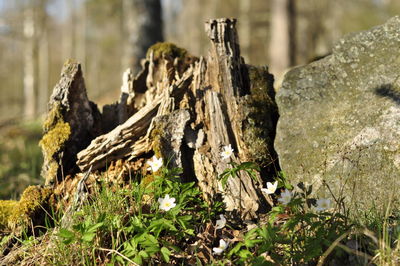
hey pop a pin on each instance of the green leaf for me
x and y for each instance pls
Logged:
(235, 250)
(184, 220)
(157, 226)
(244, 253)
(152, 249)
(189, 232)
(138, 259)
(65, 233)
(249, 166)
(143, 254)
(88, 236)
(93, 228)
(165, 254)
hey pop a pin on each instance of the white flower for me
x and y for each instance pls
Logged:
(166, 203)
(322, 205)
(155, 164)
(222, 246)
(286, 197)
(270, 188)
(227, 152)
(221, 222)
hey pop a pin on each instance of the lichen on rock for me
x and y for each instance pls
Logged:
(339, 121)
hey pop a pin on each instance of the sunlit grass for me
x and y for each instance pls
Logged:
(20, 158)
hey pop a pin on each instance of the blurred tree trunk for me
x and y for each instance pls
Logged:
(69, 36)
(245, 27)
(282, 44)
(43, 57)
(143, 24)
(80, 34)
(29, 62)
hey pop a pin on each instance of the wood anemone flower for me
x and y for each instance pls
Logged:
(221, 222)
(166, 203)
(221, 248)
(286, 197)
(227, 152)
(155, 164)
(271, 188)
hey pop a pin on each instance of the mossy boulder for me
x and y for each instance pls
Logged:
(340, 120)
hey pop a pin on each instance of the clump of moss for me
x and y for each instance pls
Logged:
(155, 136)
(7, 208)
(30, 208)
(261, 115)
(166, 49)
(57, 132)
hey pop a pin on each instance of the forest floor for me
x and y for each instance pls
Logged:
(156, 219)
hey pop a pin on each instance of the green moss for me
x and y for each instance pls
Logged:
(7, 207)
(23, 213)
(32, 202)
(162, 49)
(57, 132)
(155, 137)
(261, 115)
(55, 139)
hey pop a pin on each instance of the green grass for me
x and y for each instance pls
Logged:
(20, 158)
(124, 225)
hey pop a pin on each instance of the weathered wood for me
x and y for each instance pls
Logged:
(117, 143)
(70, 125)
(117, 113)
(132, 137)
(168, 133)
(186, 110)
(219, 83)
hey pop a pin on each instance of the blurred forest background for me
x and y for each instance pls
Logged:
(108, 36)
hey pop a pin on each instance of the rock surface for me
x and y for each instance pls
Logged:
(340, 119)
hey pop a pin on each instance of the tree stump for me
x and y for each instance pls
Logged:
(186, 109)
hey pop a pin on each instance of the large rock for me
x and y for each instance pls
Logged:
(340, 119)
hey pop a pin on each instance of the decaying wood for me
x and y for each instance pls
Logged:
(71, 123)
(132, 137)
(186, 111)
(116, 144)
(117, 113)
(221, 113)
